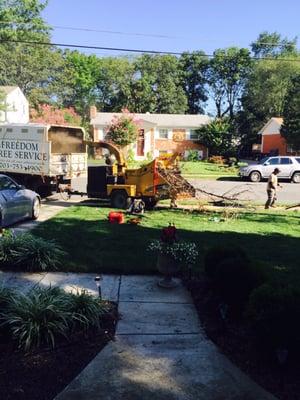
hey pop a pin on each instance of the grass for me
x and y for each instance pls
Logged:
(206, 170)
(94, 245)
(189, 169)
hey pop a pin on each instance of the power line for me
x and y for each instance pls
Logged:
(78, 46)
(72, 28)
(281, 44)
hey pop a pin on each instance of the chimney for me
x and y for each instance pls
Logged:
(93, 112)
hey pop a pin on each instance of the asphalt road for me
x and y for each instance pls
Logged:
(289, 194)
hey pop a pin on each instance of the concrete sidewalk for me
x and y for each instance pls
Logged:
(160, 350)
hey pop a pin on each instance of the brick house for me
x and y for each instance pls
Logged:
(271, 140)
(159, 133)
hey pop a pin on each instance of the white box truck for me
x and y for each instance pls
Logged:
(42, 156)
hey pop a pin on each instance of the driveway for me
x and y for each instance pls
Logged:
(289, 194)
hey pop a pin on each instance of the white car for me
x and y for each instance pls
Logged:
(289, 169)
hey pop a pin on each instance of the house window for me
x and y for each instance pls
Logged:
(163, 133)
(9, 130)
(193, 134)
(40, 131)
(24, 130)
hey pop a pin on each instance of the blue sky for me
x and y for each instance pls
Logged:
(188, 24)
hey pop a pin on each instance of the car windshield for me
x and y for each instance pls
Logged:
(263, 160)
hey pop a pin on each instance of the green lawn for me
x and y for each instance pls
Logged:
(94, 245)
(206, 170)
(189, 169)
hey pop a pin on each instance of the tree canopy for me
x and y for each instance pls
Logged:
(291, 114)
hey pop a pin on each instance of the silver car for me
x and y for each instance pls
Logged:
(289, 169)
(16, 202)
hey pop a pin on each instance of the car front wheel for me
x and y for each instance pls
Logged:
(255, 176)
(296, 177)
(36, 207)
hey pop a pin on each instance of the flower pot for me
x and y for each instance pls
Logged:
(167, 266)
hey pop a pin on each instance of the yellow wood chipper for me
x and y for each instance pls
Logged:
(159, 179)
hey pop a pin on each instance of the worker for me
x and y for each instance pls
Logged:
(272, 188)
(136, 206)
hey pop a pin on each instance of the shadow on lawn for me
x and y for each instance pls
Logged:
(97, 246)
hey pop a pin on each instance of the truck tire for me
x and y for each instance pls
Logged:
(36, 207)
(119, 199)
(296, 177)
(255, 176)
(150, 203)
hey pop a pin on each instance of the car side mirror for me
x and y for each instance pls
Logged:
(266, 163)
(21, 187)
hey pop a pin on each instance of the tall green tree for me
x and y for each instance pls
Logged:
(31, 67)
(272, 45)
(290, 129)
(264, 95)
(193, 68)
(156, 85)
(227, 76)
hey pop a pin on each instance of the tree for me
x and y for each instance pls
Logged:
(156, 85)
(123, 130)
(193, 68)
(227, 76)
(2, 101)
(264, 96)
(272, 45)
(46, 113)
(31, 67)
(217, 136)
(290, 129)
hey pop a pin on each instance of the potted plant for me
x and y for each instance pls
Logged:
(172, 254)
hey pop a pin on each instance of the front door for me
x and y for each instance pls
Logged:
(140, 143)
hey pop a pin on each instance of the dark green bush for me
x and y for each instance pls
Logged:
(86, 310)
(274, 311)
(234, 280)
(30, 253)
(46, 315)
(37, 318)
(218, 254)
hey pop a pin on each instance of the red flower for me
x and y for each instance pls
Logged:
(169, 234)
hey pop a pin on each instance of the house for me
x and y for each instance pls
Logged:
(271, 140)
(16, 106)
(159, 133)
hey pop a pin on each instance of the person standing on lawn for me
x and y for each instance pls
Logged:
(272, 188)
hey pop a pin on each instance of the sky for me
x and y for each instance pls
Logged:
(170, 25)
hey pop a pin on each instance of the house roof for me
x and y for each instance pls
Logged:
(8, 89)
(161, 120)
(278, 120)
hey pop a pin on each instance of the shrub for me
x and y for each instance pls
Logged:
(86, 310)
(274, 311)
(235, 278)
(30, 252)
(217, 254)
(37, 318)
(217, 160)
(192, 155)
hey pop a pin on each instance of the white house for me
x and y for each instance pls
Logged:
(15, 104)
(159, 133)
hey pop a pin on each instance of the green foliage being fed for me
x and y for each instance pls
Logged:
(290, 129)
(30, 253)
